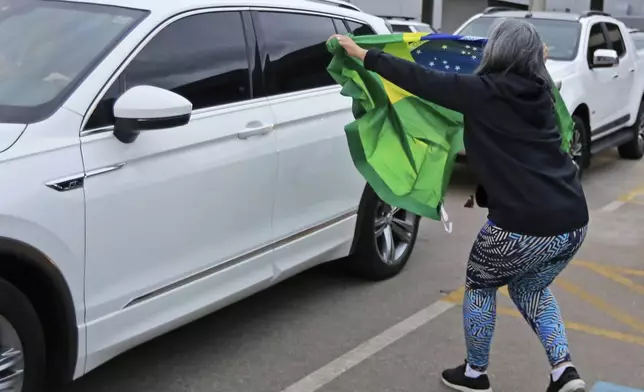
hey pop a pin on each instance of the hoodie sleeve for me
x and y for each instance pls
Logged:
(461, 93)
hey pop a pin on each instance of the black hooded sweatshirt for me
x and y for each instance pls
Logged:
(512, 143)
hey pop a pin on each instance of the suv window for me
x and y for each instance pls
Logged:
(340, 27)
(398, 28)
(596, 40)
(296, 54)
(103, 115)
(616, 39)
(191, 58)
(360, 29)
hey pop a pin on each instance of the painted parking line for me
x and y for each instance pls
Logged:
(340, 365)
(602, 386)
(616, 274)
(457, 298)
(630, 197)
(600, 304)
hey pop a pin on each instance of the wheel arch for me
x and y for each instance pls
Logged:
(583, 112)
(33, 273)
(366, 193)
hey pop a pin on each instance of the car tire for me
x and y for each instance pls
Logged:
(385, 239)
(22, 342)
(580, 148)
(634, 149)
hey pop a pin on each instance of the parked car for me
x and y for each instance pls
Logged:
(168, 159)
(638, 39)
(400, 25)
(595, 63)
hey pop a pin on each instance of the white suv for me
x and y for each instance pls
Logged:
(169, 158)
(593, 59)
(400, 25)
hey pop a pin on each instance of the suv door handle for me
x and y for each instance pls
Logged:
(631, 70)
(257, 130)
(615, 76)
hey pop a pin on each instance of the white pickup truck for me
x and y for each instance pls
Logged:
(596, 65)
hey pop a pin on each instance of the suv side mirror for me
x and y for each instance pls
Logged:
(605, 58)
(145, 108)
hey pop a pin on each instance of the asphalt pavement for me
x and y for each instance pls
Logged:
(325, 332)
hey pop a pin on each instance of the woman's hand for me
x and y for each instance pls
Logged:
(350, 47)
(545, 52)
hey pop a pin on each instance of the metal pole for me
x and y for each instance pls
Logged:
(537, 5)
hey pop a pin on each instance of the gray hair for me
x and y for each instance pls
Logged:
(514, 46)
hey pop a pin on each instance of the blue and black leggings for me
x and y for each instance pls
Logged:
(528, 265)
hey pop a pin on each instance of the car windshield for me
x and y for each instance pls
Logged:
(48, 47)
(561, 36)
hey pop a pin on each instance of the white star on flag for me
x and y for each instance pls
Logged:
(474, 49)
(444, 46)
(444, 61)
(418, 51)
(457, 68)
(431, 63)
(473, 57)
(447, 67)
(467, 46)
(462, 52)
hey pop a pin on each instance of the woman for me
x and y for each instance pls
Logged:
(537, 209)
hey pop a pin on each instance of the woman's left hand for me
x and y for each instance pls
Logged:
(351, 47)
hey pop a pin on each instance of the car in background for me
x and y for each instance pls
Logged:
(594, 61)
(408, 25)
(638, 39)
(168, 158)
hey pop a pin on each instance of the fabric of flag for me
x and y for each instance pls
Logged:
(405, 147)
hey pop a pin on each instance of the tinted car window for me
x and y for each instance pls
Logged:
(596, 41)
(296, 54)
(103, 115)
(340, 27)
(360, 29)
(202, 58)
(401, 28)
(616, 39)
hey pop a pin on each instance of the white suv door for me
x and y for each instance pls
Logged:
(180, 218)
(600, 82)
(625, 81)
(317, 182)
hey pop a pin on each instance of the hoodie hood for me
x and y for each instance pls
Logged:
(529, 98)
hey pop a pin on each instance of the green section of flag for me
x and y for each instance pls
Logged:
(405, 147)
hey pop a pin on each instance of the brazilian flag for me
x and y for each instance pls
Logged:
(405, 147)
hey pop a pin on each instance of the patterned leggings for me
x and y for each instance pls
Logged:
(528, 265)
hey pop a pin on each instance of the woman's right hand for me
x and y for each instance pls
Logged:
(350, 46)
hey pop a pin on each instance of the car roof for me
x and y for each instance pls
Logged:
(406, 22)
(535, 15)
(173, 7)
(339, 3)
